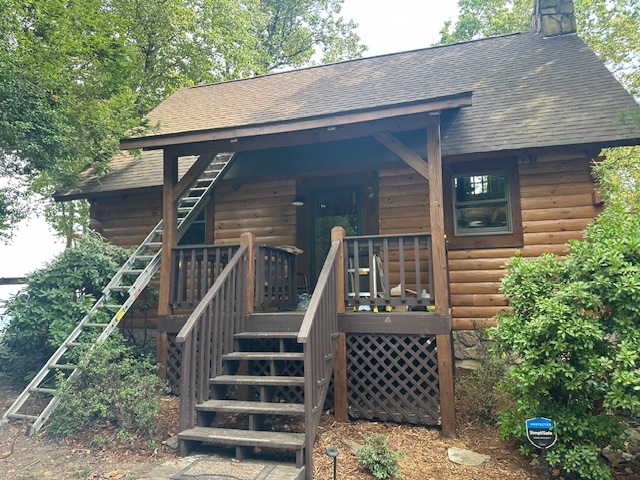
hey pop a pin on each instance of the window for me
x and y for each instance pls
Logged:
(482, 205)
(196, 233)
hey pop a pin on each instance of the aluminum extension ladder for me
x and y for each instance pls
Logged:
(130, 280)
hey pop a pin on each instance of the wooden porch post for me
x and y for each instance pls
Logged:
(340, 399)
(440, 280)
(169, 241)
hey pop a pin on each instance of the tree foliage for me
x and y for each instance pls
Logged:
(75, 76)
(55, 299)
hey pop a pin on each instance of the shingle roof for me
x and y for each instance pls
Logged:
(528, 92)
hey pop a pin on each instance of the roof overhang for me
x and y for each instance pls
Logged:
(350, 122)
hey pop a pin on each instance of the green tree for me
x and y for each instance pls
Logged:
(75, 76)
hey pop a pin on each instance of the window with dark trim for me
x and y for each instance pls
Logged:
(482, 204)
(196, 233)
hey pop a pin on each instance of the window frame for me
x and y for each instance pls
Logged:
(496, 239)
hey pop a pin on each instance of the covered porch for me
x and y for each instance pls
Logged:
(376, 335)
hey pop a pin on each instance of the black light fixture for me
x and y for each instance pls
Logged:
(333, 453)
(298, 201)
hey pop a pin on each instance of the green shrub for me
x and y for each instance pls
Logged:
(380, 456)
(115, 390)
(575, 330)
(56, 298)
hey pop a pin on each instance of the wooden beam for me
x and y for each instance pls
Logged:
(440, 281)
(192, 174)
(307, 137)
(409, 323)
(405, 153)
(330, 121)
(169, 241)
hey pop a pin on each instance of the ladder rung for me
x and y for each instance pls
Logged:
(22, 416)
(50, 391)
(196, 189)
(63, 366)
(132, 272)
(144, 258)
(124, 288)
(117, 307)
(154, 244)
(73, 344)
(99, 325)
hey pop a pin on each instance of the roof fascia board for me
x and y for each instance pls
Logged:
(160, 141)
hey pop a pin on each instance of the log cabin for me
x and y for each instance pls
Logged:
(390, 189)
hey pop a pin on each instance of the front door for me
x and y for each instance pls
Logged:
(336, 207)
(349, 200)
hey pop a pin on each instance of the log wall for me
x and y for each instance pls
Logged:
(126, 220)
(557, 196)
(262, 208)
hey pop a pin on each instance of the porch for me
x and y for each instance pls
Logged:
(368, 342)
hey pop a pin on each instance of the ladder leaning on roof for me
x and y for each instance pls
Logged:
(130, 280)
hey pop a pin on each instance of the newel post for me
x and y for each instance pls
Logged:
(248, 239)
(169, 241)
(340, 399)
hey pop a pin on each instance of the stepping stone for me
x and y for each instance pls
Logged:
(467, 457)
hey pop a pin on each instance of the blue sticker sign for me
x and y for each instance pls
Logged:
(541, 432)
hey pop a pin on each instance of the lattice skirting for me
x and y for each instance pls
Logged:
(393, 378)
(390, 377)
(174, 362)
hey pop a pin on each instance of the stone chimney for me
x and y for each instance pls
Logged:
(553, 17)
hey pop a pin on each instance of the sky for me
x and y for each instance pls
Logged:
(385, 26)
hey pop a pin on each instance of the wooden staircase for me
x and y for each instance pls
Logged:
(250, 389)
(257, 367)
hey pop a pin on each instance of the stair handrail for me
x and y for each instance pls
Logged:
(318, 334)
(208, 335)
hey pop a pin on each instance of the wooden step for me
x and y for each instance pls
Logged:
(248, 438)
(263, 335)
(274, 322)
(291, 356)
(237, 406)
(274, 381)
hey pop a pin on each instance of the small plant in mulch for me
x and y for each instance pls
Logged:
(380, 456)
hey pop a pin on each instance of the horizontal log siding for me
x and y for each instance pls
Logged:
(262, 208)
(403, 208)
(126, 220)
(557, 204)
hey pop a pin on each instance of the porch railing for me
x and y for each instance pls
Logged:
(388, 270)
(276, 282)
(195, 269)
(208, 335)
(318, 334)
